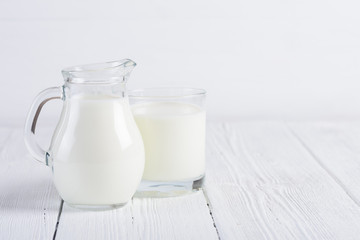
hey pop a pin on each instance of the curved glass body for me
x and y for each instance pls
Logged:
(96, 152)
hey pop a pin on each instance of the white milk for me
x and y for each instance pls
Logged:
(174, 139)
(97, 151)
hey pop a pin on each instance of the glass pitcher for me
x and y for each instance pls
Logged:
(96, 152)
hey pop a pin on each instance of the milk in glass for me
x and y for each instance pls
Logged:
(174, 140)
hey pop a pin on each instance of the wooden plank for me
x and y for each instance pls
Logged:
(263, 184)
(185, 217)
(29, 203)
(336, 147)
(86, 224)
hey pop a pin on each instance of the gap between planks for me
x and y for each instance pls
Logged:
(208, 203)
(58, 219)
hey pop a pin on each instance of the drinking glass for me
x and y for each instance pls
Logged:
(172, 122)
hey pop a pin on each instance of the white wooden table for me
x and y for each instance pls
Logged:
(264, 180)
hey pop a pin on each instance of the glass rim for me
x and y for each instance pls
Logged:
(166, 92)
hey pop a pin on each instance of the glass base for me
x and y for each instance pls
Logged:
(168, 189)
(96, 207)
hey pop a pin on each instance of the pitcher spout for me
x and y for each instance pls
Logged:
(99, 73)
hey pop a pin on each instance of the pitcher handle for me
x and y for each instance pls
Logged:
(30, 125)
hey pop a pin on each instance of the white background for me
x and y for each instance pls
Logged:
(273, 59)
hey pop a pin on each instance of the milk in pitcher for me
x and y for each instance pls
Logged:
(96, 151)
